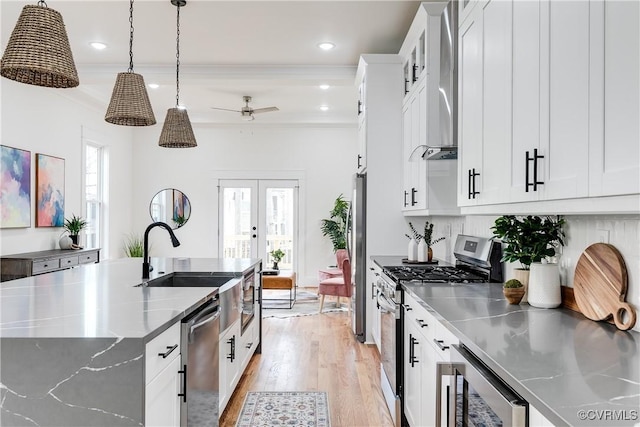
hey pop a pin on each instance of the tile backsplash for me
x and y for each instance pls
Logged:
(622, 231)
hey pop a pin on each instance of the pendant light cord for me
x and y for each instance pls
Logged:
(178, 57)
(42, 3)
(130, 70)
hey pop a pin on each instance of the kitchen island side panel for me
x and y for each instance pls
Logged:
(71, 382)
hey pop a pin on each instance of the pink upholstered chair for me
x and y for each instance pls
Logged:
(337, 286)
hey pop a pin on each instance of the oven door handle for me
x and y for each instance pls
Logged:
(385, 304)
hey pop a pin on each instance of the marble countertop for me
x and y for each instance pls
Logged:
(102, 300)
(559, 361)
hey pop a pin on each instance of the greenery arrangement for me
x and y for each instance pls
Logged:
(513, 283)
(134, 246)
(426, 236)
(529, 239)
(74, 225)
(179, 220)
(336, 226)
(277, 255)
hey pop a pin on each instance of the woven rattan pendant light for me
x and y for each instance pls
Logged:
(177, 131)
(130, 104)
(38, 52)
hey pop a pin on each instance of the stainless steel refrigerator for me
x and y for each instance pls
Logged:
(357, 255)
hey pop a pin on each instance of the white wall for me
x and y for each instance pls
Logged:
(581, 231)
(323, 156)
(44, 120)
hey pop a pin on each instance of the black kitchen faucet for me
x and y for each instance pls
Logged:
(145, 254)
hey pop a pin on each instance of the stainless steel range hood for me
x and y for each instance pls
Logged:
(444, 152)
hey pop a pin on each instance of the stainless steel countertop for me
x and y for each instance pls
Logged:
(102, 300)
(558, 360)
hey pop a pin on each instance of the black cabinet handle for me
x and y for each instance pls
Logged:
(439, 344)
(406, 86)
(412, 352)
(359, 107)
(415, 73)
(533, 159)
(168, 352)
(407, 307)
(184, 383)
(405, 199)
(422, 323)
(469, 184)
(249, 345)
(359, 158)
(413, 196)
(474, 174)
(232, 355)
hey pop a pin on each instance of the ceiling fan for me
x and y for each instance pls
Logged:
(248, 112)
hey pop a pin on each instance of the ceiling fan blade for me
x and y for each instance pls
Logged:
(226, 109)
(265, 110)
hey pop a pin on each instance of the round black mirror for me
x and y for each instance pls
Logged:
(171, 206)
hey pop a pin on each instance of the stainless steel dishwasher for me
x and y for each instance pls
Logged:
(200, 366)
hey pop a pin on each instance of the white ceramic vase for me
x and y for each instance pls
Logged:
(412, 254)
(423, 251)
(65, 242)
(544, 285)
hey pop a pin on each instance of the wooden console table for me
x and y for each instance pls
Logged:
(33, 263)
(285, 279)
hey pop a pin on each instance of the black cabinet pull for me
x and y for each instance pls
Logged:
(535, 181)
(359, 158)
(474, 174)
(184, 383)
(405, 199)
(439, 344)
(168, 352)
(407, 307)
(232, 355)
(413, 196)
(249, 345)
(415, 73)
(406, 86)
(359, 107)
(412, 352)
(422, 323)
(469, 184)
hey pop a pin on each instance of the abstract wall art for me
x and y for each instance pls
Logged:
(15, 187)
(49, 191)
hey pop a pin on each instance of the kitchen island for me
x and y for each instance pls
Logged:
(574, 371)
(72, 343)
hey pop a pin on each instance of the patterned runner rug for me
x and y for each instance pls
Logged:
(285, 408)
(307, 304)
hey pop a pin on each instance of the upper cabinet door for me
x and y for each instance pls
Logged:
(614, 162)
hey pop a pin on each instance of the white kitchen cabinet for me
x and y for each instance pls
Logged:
(162, 403)
(485, 99)
(163, 379)
(229, 363)
(429, 186)
(614, 151)
(549, 107)
(426, 342)
(536, 419)
(375, 319)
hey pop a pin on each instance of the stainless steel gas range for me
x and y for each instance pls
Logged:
(477, 261)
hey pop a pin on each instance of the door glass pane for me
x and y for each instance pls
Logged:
(279, 212)
(237, 223)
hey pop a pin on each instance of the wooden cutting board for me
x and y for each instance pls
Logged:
(600, 286)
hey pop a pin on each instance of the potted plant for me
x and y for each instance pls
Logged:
(513, 291)
(134, 246)
(425, 241)
(528, 239)
(277, 256)
(336, 227)
(74, 226)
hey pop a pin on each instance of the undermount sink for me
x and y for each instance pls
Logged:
(188, 280)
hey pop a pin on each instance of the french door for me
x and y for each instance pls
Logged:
(258, 216)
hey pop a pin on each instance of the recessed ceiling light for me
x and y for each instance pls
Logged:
(98, 45)
(324, 87)
(324, 107)
(326, 45)
(154, 85)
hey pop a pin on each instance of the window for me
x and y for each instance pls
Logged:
(93, 184)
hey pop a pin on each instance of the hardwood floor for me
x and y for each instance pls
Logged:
(316, 353)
